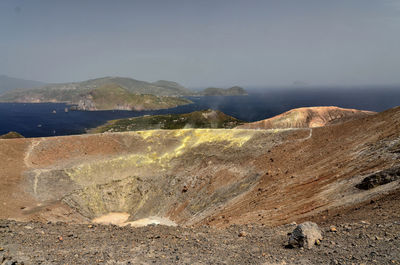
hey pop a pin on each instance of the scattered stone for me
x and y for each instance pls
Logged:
(305, 235)
(333, 229)
(242, 234)
(110, 244)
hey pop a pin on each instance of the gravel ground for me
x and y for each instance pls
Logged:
(367, 234)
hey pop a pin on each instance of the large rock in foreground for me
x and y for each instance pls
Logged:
(305, 235)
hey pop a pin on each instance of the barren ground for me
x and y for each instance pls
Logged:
(214, 184)
(366, 234)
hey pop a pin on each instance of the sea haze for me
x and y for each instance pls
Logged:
(50, 119)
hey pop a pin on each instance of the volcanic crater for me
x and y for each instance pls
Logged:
(193, 177)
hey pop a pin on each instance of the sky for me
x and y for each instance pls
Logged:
(201, 43)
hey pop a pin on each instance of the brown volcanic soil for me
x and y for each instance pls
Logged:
(313, 175)
(309, 117)
(366, 234)
(217, 178)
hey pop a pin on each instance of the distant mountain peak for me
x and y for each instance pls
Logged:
(308, 117)
(8, 83)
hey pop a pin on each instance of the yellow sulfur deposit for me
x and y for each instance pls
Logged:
(156, 157)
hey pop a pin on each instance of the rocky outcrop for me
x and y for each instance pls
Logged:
(380, 178)
(86, 104)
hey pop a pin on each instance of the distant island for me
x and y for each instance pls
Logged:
(108, 93)
(113, 93)
(9, 83)
(115, 97)
(196, 119)
(11, 135)
(232, 91)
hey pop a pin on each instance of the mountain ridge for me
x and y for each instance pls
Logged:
(8, 83)
(308, 117)
(81, 94)
(78, 93)
(109, 97)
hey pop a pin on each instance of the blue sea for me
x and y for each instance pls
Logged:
(50, 119)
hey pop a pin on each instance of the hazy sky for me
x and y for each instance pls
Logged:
(203, 42)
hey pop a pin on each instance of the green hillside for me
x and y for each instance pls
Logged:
(112, 96)
(132, 93)
(105, 97)
(197, 119)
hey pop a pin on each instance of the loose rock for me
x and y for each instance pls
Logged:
(305, 235)
(242, 234)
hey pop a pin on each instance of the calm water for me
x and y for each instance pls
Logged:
(35, 120)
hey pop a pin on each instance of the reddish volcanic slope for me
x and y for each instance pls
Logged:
(309, 117)
(201, 176)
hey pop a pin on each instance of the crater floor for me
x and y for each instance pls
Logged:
(366, 234)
